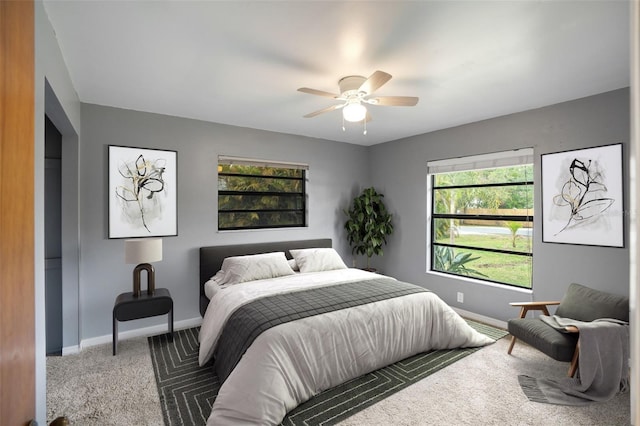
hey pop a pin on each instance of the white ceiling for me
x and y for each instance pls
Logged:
(240, 62)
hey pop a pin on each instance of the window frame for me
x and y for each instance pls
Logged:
(465, 164)
(241, 161)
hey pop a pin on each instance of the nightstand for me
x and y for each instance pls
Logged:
(127, 307)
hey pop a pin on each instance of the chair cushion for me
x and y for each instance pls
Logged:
(586, 304)
(557, 345)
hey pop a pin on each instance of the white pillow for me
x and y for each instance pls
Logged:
(294, 265)
(240, 269)
(317, 259)
(218, 278)
(211, 287)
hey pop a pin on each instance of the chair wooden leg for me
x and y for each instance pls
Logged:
(523, 313)
(513, 342)
(574, 361)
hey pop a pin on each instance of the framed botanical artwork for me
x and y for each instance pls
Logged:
(583, 197)
(142, 192)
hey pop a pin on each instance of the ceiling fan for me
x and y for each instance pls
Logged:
(355, 91)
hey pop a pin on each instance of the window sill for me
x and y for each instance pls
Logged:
(284, 228)
(481, 282)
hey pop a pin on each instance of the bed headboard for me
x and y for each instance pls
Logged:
(211, 257)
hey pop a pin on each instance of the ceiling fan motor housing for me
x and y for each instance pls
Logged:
(350, 84)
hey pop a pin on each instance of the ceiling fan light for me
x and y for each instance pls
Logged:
(354, 112)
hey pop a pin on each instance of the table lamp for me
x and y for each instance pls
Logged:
(142, 252)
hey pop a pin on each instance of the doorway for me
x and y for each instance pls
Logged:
(53, 237)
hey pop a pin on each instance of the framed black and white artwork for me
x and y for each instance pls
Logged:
(583, 197)
(142, 192)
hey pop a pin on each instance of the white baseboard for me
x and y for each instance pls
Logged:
(139, 332)
(481, 318)
(70, 350)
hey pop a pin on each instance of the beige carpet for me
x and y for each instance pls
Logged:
(483, 389)
(96, 388)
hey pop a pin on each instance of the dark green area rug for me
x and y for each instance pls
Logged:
(187, 391)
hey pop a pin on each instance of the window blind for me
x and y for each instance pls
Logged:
(484, 161)
(242, 161)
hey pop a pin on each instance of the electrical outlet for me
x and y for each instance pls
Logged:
(460, 297)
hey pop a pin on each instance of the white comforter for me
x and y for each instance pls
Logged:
(290, 363)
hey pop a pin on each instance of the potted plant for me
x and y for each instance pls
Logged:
(368, 224)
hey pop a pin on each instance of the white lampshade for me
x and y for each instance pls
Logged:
(354, 112)
(144, 250)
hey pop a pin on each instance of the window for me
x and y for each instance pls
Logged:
(481, 217)
(255, 194)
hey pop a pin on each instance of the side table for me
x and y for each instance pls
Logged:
(127, 307)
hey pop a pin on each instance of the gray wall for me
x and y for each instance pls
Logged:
(399, 170)
(333, 180)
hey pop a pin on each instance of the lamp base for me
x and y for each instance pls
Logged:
(151, 279)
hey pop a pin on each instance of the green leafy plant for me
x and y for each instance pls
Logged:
(514, 227)
(368, 224)
(446, 260)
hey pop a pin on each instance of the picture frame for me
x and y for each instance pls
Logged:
(583, 197)
(143, 187)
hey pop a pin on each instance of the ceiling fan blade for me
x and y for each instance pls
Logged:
(393, 100)
(318, 92)
(323, 110)
(374, 82)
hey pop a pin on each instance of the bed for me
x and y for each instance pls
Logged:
(284, 321)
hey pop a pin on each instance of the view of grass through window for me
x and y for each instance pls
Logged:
(255, 196)
(482, 224)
